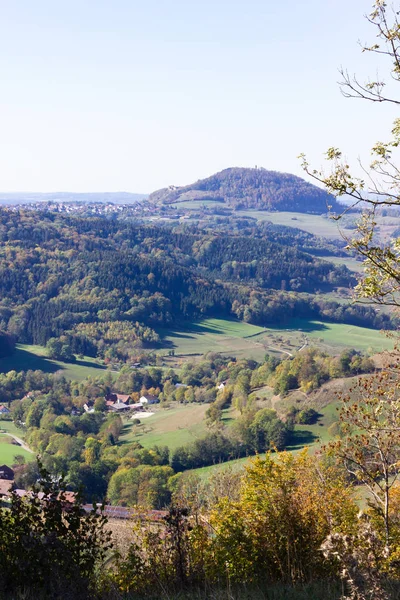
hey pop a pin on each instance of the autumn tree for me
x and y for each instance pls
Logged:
(370, 442)
(286, 507)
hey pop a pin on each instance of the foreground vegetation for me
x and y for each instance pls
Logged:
(287, 528)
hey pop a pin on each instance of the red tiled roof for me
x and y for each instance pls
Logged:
(123, 397)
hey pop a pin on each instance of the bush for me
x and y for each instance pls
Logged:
(308, 416)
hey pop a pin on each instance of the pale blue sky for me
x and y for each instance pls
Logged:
(101, 95)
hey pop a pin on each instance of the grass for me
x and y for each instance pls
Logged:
(315, 224)
(243, 340)
(33, 357)
(341, 335)
(351, 263)
(10, 427)
(198, 204)
(172, 427)
(9, 450)
(217, 335)
(319, 431)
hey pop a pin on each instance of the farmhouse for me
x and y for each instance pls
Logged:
(6, 473)
(119, 406)
(113, 397)
(148, 399)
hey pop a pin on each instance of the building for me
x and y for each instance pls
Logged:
(4, 410)
(119, 406)
(6, 473)
(148, 399)
(113, 397)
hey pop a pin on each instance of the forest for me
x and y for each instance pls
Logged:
(103, 287)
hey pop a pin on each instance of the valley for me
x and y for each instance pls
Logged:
(219, 303)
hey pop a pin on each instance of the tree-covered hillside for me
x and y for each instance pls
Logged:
(254, 188)
(105, 286)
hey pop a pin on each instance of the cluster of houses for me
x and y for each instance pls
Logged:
(120, 403)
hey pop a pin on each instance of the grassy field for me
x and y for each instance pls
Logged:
(315, 224)
(350, 263)
(196, 204)
(32, 357)
(217, 335)
(250, 341)
(8, 451)
(339, 335)
(171, 427)
(10, 427)
(182, 424)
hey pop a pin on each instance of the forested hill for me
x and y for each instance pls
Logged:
(254, 188)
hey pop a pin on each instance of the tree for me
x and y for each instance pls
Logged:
(381, 185)
(268, 430)
(50, 548)
(286, 507)
(370, 439)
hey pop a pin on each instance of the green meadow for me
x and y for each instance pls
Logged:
(172, 427)
(217, 335)
(8, 451)
(250, 341)
(29, 357)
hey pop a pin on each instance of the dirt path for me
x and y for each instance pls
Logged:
(280, 350)
(20, 442)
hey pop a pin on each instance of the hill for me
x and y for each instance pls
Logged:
(253, 188)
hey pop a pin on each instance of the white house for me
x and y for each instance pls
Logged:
(148, 399)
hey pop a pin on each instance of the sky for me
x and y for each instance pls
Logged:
(122, 95)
